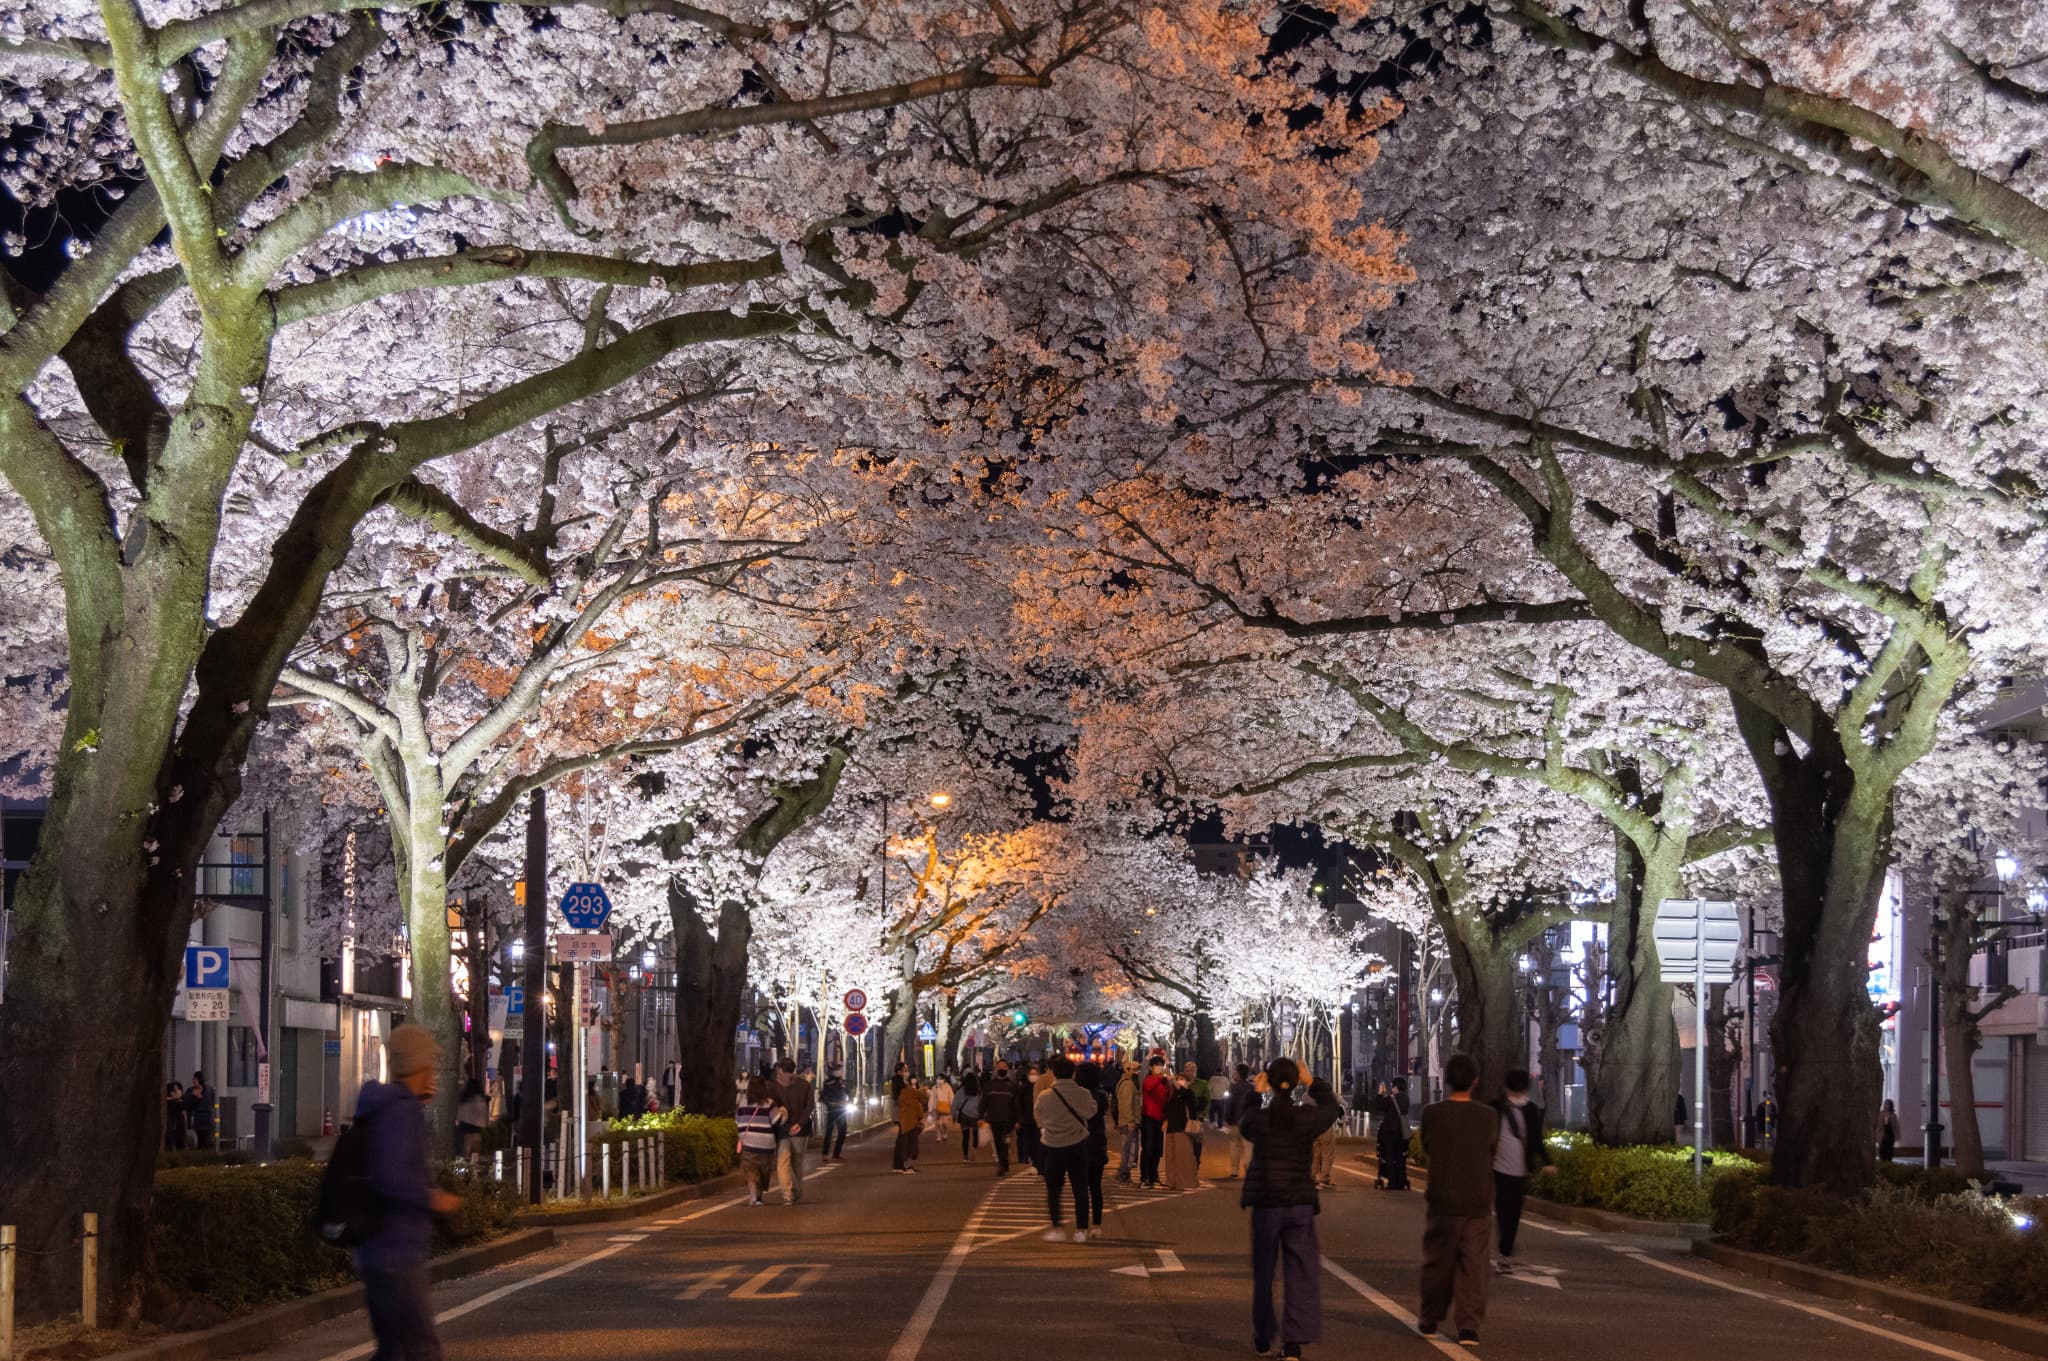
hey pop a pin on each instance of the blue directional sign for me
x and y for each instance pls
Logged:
(585, 906)
(515, 1000)
(206, 966)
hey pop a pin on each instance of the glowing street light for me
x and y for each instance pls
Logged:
(942, 799)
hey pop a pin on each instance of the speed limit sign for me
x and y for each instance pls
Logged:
(856, 1000)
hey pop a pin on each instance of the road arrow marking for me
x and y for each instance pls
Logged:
(1168, 1262)
(1545, 1276)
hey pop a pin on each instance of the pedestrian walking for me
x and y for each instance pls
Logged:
(175, 1124)
(1088, 1078)
(1178, 1169)
(1523, 1153)
(671, 1078)
(1461, 1137)
(1152, 1121)
(1887, 1131)
(968, 1108)
(836, 1100)
(1063, 1146)
(472, 1113)
(392, 1261)
(1681, 1121)
(1280, 1192)
(999, 1113)
(797, 1097)
(942, 1106)
(1238, 1099)
(200, 1113)
(762, 1120)
(911, 1104)
(1130, 1114)
(1390, 1132)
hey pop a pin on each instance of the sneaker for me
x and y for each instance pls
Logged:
(1080, 1235)
(1426, 1329)
(1262, 1349)
(1467, 1338)
(1055, 1235)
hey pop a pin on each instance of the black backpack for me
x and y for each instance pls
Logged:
(346, 1211)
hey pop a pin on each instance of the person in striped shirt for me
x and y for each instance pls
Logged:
(763, 1121)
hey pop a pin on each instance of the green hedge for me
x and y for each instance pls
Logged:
(700, 1147)
(1647, 1181)
(1908, 1230)
(229, 1238)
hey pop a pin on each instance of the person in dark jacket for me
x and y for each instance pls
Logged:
(1236, 1101)
(1390, 1129)
(174, 1116)
(1027, 1115)
(1280, 1191)
(392, 1262)
(999, 1112)
(1520, 1155)
(836, 1098)
(199, 1112)
(1090, 1079)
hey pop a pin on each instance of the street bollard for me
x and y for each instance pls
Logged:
(626, 1165)
(498, 1165)
(89, 1277)
(646, 1177)
(604, 1163)
(661, 1159)
(6, 1292)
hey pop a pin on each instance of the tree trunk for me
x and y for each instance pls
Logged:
(1960, 1035)
(1208, 1054)
(1833, 840)
(711, 994)
(423, 893)
(899, 1032)
(1634, 1088)
(1488, 1016)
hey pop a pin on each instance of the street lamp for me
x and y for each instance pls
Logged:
(941, 799)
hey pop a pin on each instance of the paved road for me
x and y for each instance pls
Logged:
(950, 1265)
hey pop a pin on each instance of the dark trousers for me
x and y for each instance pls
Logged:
(1095, 1166)
(999, 1134)
(1284, 1239)
(835, 1131)
(1027, 1142)
(906, 1146)
(1069, 1165)
(401, 1314)
(968, 1129)
(1508, 1194)
(1394, 1168)
(1151, 1144)
(1454, 1270)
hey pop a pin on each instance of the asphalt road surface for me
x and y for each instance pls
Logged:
(950, 1264)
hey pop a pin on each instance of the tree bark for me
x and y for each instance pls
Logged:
(1487, 1012)
(1634, 1087)
(711, 995)
(1961, 1036)
(1833, 838)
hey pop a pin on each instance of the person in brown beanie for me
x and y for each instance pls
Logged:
(392, 1262)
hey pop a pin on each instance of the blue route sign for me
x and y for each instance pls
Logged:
(515, 1000)
(585, 907)
(206, 966)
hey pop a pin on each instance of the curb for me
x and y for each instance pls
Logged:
(632, 1209)
(266, 1326)
(1605, 1220)
(1982, 1325)
(647, 1205)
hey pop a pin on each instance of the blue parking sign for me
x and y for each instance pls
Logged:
(585, 906)
(206, 966)
(515, 1000)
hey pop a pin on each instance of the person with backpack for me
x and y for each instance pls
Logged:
(391, 1258)
(1063, 1146)
(999, 1112)
(968, 1110)
(762, 1121)
(1520, 1155)
(1088, 1078)
(836, 1098)
(1280, 1191)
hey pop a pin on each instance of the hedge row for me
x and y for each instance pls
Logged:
(1914, 1229)
(226, 1239)
(1644, 1181)
(700, 1147)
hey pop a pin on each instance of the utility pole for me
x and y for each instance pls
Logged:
(533, 1045)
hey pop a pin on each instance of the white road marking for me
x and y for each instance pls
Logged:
(513, 1288)
(757, 1285)
(1406, 1319)
(1931, 1348)
(911, 1339)
(1528, 1221)
(626, 1237)
(709, 1281)
(1545, 1276)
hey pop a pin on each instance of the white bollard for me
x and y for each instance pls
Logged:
(89, 1274)
(604, 1158)
(498, 1165)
